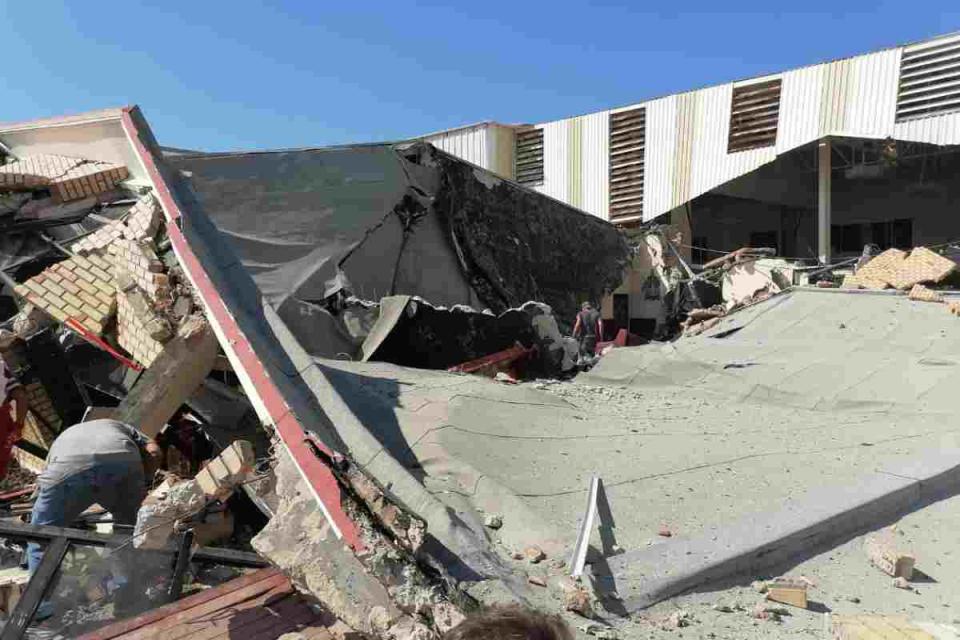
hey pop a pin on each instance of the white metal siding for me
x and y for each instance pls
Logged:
(799, 108)
(711, 164)
(687, 134)
(555, 163)
(660, 156)
(595, 163)
(872, 95)
(470, 144)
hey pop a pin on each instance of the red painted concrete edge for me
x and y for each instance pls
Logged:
(288, 427)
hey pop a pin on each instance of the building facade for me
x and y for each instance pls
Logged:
(815, 161)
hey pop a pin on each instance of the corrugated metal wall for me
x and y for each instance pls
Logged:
(471, 144)
(687, 134)
(595, 163)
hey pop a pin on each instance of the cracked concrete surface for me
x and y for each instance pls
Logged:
(822, 391)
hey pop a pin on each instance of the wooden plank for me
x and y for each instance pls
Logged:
(268, 586)
(280, 609)
(197, 600)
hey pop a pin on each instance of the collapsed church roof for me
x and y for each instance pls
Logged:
(379, 220)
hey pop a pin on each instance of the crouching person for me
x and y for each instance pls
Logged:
(103, 462)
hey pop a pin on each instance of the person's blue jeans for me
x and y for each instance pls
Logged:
(116, 486)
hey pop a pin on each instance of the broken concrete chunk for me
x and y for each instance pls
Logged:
(67, 178)
(223, 474)
(882, 552)
(493, 521)
(446, 617)
(534, 554)
(370, 591)
(924, 294)
(143, 220)
(173, 376)
(159, 329)
(407, 529)
(30, 320)
(576, 597)
(790, 591)
(157, 518)
(922, 265)
(677, 620)
(408, 629)
(139, 261)
(75, 288)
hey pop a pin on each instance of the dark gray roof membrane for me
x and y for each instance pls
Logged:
(383, 220)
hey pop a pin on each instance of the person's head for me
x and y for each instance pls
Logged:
(510, 623)
(586, 306)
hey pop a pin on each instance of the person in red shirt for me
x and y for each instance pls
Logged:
(11, 418)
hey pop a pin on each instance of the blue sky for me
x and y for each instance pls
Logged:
(218, 75)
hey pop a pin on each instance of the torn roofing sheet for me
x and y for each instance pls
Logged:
(385, 220)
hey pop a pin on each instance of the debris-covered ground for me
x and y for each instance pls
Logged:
(404, 445)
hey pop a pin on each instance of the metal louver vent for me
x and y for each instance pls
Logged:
(628, 130)
(530, 157)
(754, 114)
(929, 81)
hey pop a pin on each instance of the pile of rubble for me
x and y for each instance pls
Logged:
(744, 277)
(921, 272)
(128, 309)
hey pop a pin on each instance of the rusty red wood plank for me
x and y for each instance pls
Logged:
(279, 602)
(122, 627)
(259, 622)
(161, 627)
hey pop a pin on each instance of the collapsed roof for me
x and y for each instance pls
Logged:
(439, 225)
(382, 220)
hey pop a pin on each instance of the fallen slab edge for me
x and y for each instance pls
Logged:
(763, 541)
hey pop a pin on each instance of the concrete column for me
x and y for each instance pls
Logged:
(823, 200)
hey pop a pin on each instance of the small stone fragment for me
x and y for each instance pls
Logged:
(853, 599)
(534, 554)
(760, 586)
(766, 611)
(446, 616)
(379, 619)
(599, 631)
(517, 555)
(408, 629)
(537, 580)
(676, 620)
(722, 608)
(493, 521)
(901, 583)
(664, 532)
(576, 598)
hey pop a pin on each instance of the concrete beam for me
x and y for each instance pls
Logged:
(172, 378)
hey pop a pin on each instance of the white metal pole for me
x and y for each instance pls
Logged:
(823, 200)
